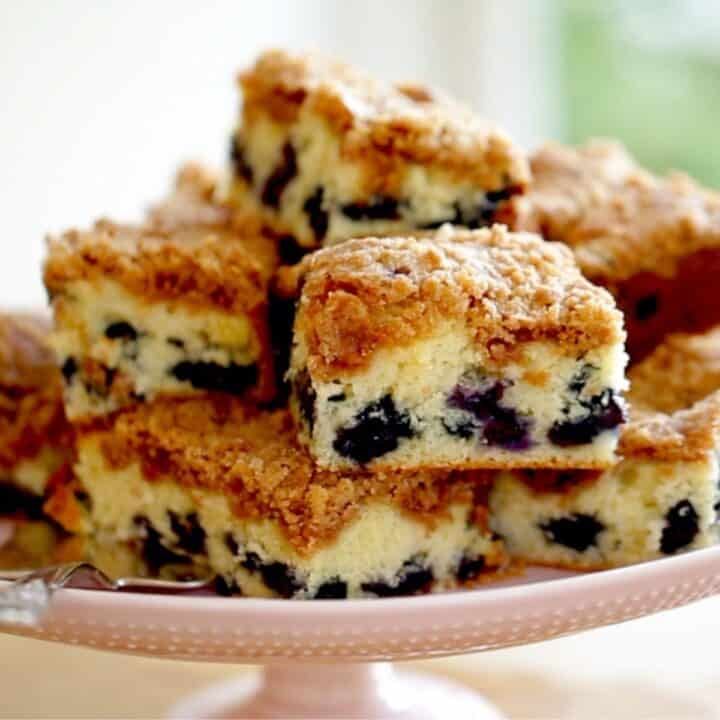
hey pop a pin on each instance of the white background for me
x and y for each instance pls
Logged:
(102, 100)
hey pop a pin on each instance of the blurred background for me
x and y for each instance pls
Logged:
(102, 100)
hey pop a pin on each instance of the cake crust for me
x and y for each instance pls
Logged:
(684, 369)
(684, 435)
(372, 293)
(382, 124)
(198, 267)
(647, 224)
(568, 180)
(194, 202)
(620, 219)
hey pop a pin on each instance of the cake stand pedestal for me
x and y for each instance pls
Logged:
(358, 690)
(325, 659)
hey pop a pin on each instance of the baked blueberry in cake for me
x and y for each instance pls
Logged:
(661, 498)
(213, 482)
(456, 349)
(329, 153)
(34, 434)
(176, 306)
(654, 242)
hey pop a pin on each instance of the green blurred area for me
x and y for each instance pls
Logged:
(647, 72)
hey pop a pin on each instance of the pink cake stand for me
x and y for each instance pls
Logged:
(326, 659)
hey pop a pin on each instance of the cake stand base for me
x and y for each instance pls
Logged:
(369, 691)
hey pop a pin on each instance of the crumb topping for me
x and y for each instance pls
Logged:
(619, 219)
(31, 409)
(682, 370)
(648, 224)
(566, 181)
(197, 266)
(507, 288)
(675, 400)
(685, 435)
(380, 121)
(253, 458)
(192, 202)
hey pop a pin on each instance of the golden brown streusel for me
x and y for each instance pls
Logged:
(382, 125)
(681, 371)
(675, 400)
(566, 181)
(253, 457)
(619, 219)
(684, 435)
(196, 266)
(31, 409)
(654, 243)
(507, 288)
(192, 202)
(647, 224)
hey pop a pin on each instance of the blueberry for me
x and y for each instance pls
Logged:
(231, 543)
(306, 397)
(412, 578)
(83, 499)
(479, 400)
(290, 251)
(156, 555)
(498, 425)
(681, 527)
(577, 531)
(110, 374)
(332, 590)
(580, 379)
(380, 207)
(317, 215)
(281, 316)
(506, 429)
(121, 331)
(276, 575)
(280, 177)
(481, 215)
(239, 163)
(603, 412)
(225, 587)
(375, 431)
(69, 368)
(252, 562)
(484, 213)
(15, 500)
(189, 533)
(232, 379)
(470, 567)
(646, 307)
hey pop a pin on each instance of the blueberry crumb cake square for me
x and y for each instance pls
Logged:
(171, 307)
(34, 434)
(663, 495)
(456, 349)
(654, 242)
(212, 481)
(329, 153)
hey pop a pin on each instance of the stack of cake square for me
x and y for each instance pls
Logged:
(335, 375)
(171, 349)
